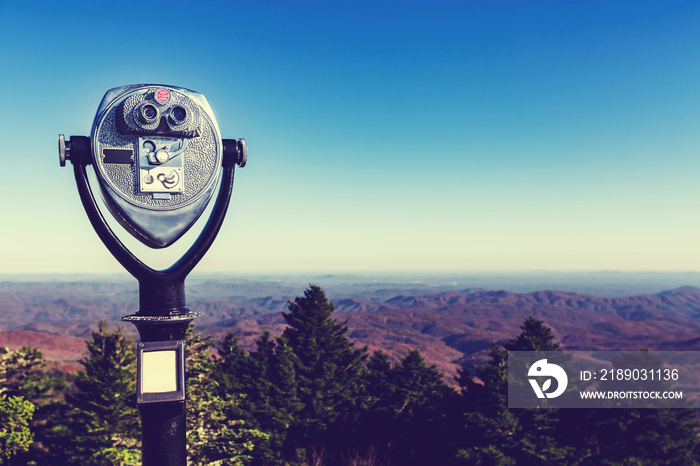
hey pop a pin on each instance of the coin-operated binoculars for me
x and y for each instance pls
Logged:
(157, 155)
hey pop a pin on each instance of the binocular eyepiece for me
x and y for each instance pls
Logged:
(157, 154)
(159, 111)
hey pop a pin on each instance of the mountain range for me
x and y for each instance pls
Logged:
(452, 329)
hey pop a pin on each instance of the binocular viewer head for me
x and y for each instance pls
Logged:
(157, 154)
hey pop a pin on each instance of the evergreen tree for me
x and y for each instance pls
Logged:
(535, 336)
(328, 375)
(16, 411)
(213, 437)
(635, 436)
(581, 437)
(271, 395)
(300, 388)
(17, 368)
(275, 401)
(408, 418)
(304, 388)
(15, 435)
(489, 425)
(28, 378)
(233, 371)
(497, 435)
(284, 387)
(98, 423)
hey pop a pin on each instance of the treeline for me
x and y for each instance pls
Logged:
(310, 397)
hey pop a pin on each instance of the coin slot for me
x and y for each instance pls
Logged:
(118, 156)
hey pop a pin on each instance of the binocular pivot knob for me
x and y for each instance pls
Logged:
(76, 149)
(236, 151)
(242, 153)
(63, 150)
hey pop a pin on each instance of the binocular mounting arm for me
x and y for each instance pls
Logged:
(161, 292)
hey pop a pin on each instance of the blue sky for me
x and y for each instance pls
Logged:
(502, 135)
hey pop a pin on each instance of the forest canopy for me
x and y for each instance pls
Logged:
(310, 396)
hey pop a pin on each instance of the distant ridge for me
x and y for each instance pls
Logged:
(682, 289)
(451, 328)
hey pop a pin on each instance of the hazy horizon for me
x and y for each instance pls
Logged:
(602, 283)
